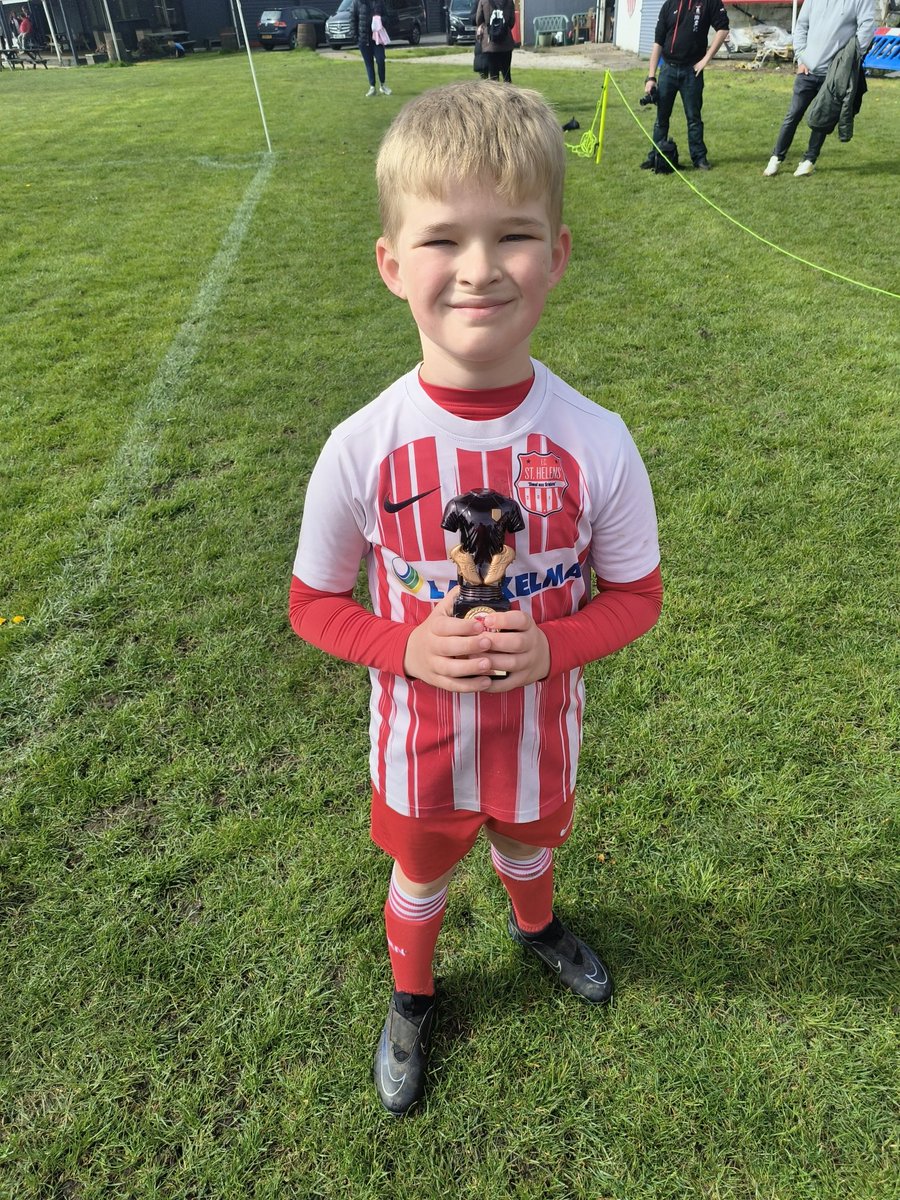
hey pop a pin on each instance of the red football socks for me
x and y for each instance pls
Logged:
(529, 882)
(412, 924)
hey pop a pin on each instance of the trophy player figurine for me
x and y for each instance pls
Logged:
(482, 518)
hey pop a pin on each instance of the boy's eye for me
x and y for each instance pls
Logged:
(438, 242)
(517, 237)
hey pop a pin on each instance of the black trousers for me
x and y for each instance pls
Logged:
(675, 78)
(806, 88)
(372, 53)
(499, 63)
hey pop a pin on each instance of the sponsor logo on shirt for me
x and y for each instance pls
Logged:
(528, 583)
(394, 506)
(407, 575)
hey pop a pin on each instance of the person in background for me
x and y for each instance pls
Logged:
(681, 40)
(25, 28)
(494, 20)
(824, 27)
(479, 62)
(368, 31)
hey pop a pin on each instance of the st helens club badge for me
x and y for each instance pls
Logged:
(541, 483)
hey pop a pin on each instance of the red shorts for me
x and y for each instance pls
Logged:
(427, 847)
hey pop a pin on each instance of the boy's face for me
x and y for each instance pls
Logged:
(475, 271)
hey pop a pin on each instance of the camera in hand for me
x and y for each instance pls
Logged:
(651, 97)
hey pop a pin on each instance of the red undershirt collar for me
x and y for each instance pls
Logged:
(472, 405)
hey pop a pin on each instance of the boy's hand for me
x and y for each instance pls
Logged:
(518, 647)
(449, 652)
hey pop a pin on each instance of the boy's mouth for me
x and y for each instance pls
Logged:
(480, 308)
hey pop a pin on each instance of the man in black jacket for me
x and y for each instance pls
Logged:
(681, 40)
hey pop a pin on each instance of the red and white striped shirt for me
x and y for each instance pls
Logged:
(377, 494)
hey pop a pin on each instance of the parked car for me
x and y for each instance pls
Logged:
(278, 26)
(461, 21)
(404, 20)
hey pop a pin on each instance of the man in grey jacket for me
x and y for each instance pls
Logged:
(823, 28)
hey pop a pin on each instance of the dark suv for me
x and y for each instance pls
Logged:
(461, 21)
(278, 26)
(404, 20)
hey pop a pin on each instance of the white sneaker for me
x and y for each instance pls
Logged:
(772, 166)
(370, 92)
(806, 168)
(385, 90)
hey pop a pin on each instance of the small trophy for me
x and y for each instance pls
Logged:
(482, 518)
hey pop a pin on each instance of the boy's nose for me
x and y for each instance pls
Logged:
(478, 266)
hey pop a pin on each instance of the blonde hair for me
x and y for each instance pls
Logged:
(475, 133)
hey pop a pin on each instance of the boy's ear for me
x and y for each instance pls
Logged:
(559, 255)
(389, 267)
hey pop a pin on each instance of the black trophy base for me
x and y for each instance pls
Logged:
(471, 601)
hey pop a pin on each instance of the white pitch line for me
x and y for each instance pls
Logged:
(35, 677)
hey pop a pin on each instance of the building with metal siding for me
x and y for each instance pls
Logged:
(206, 18)
(86, 21)
(649, 14)
(636, 24)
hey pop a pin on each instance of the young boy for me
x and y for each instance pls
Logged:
(470, 180)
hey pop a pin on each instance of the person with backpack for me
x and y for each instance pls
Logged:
(494, 20)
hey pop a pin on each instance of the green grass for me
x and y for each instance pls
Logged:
(192, 954)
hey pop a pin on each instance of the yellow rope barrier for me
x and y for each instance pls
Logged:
(603, 99)
(587, 146)
(592, 144)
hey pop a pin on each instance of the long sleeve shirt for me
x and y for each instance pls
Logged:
(825, 26)
(378, 493)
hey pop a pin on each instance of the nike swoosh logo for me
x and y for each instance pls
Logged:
(399, 1082)
(386, 1071)
(394, 506)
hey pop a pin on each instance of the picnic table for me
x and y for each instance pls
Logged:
(162, 37)
(12, 57)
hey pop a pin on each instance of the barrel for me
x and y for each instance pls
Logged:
(306, 34)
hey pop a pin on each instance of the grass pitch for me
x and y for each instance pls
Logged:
(192, 957)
